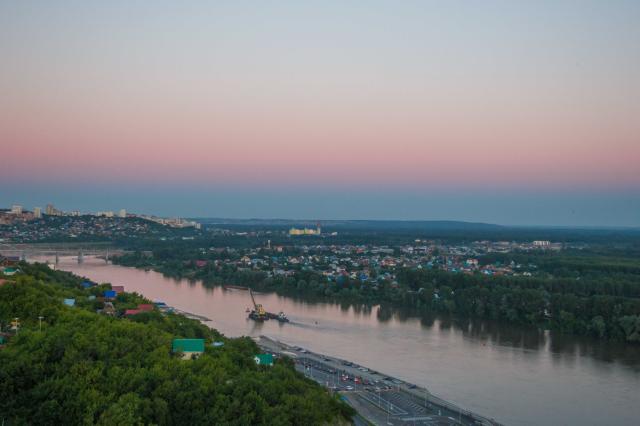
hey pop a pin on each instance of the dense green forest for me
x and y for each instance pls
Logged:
(584, 293)
(81, 367)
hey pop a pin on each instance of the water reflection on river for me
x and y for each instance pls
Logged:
(518, 376)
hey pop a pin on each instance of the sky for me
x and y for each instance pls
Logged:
(507, 112)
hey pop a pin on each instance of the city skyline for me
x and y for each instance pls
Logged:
(500, 112)
(530, 211)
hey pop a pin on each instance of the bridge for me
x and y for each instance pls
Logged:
(57, 250)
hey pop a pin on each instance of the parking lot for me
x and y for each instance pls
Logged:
(387, 401)
(381, 399)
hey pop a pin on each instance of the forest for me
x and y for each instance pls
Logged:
(71, 365)
(583, 293)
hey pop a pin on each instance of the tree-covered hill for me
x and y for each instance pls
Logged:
(87, 368)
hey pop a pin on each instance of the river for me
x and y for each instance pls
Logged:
(517, 376)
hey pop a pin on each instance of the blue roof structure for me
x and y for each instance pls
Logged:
(70, 302)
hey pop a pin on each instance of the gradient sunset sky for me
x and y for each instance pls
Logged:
(498, 111)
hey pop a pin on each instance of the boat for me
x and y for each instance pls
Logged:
(282, 317)
(258, 313)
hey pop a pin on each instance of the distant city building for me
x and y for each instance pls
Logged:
(122, 213)
(37, 213)
(16, 209)
(542, 243)
(52, 211)
(305, 231)
(172, 222)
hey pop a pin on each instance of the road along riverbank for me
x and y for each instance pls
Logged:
(379, 398)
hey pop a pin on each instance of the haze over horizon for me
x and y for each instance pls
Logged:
(500, 112)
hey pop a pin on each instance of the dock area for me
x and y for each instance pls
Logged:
(192, 316)
(378, 398)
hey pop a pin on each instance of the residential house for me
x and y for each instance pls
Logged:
(264, 359)
(189, 348)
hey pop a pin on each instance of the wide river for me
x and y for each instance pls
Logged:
(517, 376)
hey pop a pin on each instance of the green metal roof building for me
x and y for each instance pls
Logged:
(9, 271)
(264, 359)
(188, 347)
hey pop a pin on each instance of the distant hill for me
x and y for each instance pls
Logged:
(445, 229)
(423, 225)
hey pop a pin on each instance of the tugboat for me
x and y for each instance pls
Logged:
(282, 317)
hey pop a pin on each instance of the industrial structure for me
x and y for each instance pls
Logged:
(258, 313)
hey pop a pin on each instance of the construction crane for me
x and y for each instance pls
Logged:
(258, 313)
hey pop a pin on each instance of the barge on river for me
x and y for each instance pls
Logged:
(258, 313)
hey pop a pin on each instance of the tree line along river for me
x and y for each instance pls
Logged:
(517, 376)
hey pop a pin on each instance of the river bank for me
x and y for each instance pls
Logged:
(520, 377)
(397, 401)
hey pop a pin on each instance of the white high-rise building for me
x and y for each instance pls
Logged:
(37, 213)
(122, 213)
(16, 209)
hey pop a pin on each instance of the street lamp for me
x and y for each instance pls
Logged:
(40, 318)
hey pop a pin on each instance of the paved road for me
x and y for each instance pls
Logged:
(381, 399)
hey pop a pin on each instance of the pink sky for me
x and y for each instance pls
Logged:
(322, 96)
